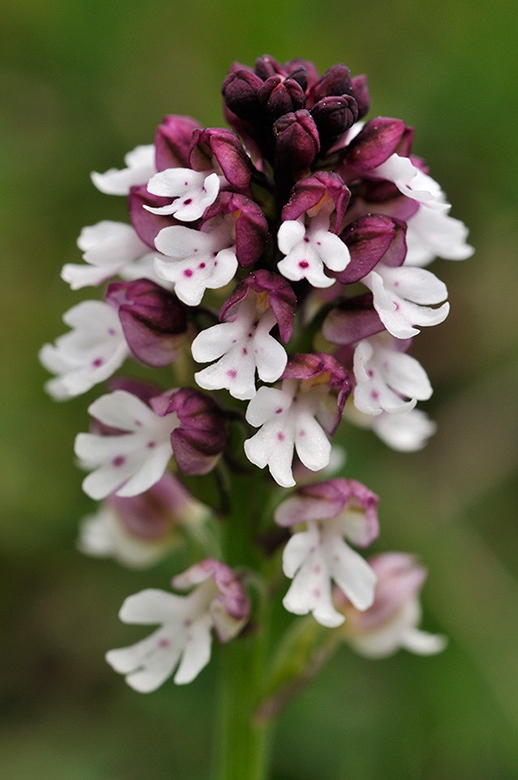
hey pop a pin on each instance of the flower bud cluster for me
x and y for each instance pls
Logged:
(278, 268)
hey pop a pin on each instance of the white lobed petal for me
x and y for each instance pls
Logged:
(193, 192)
(141, 166)
(196, 651)
(433, 233)
(411, 181)
(90, 353)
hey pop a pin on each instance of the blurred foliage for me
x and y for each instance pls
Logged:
(81, 83)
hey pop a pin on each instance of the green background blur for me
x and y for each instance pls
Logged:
(81, 83)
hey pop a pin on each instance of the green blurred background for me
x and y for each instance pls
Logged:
(81, 83)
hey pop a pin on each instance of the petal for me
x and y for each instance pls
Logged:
(297, 550)
(352, 573)
(423, 643)
(196, 653)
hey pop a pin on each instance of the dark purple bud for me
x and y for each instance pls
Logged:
(172, 142)
(147, 224)
(361, 94)
(319, 368)
(267, 66)
(219, 147)
(240, 90)
(335, 81)
(199, 440)
(355, 319)
(375, 142)
(153, 320)
(333, 116)
(367, 238)
(302, 71)
(280, 96)
(278, 295)
(296, 140)
(309, 195)
(250, 225)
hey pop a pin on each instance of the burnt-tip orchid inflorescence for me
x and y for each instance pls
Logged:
(269, 282)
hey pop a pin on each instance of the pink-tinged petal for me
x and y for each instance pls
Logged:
(141, 166)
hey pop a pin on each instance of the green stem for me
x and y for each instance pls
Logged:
(242, 748)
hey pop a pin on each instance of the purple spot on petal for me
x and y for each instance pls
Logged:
(111, 332)
(187, 272)
(163, 642)
(302, 433)
(195, 249)
(304, 264)
(370, 373)
(396, 284)
(317, 593)
(319, 243)
(120, 460)
(245, 351)
(375, 395)
(187, 201)
(97, 362)
(186, 183)
(201, 265)
(232, 373)
(151, 445)
(279, 410)
(138, 423)
(306, 239)
(280, 436)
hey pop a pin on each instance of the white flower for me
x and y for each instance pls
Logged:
(287, 421)
(405, 432)
(316, 557)
(130, 462)
(141, 166)
(385, 376)
(242, 346)
(103, 535)
(194, 260)
(411, 181)
(184, 637)
(392, 621)
(193, 192)
(433, 233)
(308, 249)
(109, 248)
(400, 295)
(89, 354)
